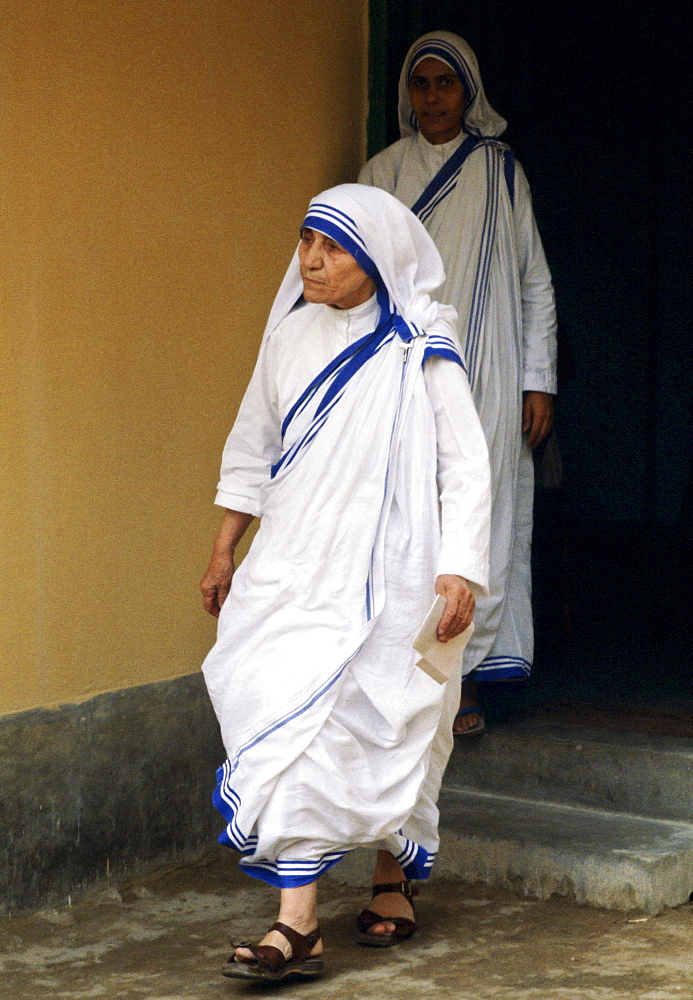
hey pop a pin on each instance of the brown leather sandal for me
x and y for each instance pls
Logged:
(269, 962)
(404, 927)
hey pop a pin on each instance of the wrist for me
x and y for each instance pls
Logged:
(223, 553)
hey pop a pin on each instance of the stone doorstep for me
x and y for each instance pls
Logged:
(619, 771)
(539, 848)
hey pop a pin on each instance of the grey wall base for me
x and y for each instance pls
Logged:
(121, 779)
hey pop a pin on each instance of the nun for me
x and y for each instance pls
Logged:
(451, 168)
(358, 447)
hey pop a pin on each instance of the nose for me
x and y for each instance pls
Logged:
(312, 256)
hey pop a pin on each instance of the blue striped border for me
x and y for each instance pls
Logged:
(440, 346)
(503, 668)
(291, 874)
(415, 860)
(319, 220)
(334, 378)
(483, 271)
(444, 181)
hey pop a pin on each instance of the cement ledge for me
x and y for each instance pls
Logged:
(123, 778)
(539, 849)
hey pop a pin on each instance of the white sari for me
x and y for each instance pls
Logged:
(335, 739)
(481, 220)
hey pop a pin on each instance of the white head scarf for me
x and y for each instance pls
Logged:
(390, 245)
(479, 117)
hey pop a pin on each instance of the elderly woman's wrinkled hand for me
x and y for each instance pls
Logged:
(216, 583)
(459, 607)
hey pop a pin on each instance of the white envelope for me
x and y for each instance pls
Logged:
(439, 659)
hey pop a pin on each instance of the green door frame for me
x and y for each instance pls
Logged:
(392, 28)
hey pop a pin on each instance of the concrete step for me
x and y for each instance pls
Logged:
(603, 816)
(618, 771)
(596, 856)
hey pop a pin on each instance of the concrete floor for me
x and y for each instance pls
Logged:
(162, 935)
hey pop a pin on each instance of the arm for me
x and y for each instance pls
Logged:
(538, 319)
(216, 582)
(255, 441)
(252, 446)
(465, 495)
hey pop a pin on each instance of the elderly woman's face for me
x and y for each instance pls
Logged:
(437, 97)
(330, 274)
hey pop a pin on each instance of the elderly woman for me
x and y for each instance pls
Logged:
(358, 446)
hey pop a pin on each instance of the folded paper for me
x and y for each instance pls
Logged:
(439, 659)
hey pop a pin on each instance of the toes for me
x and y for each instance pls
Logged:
(380, 929)
(465, 722)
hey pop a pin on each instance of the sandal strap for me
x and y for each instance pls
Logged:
(266, 957)
(404, 888)
(272, 959)
(301, 944)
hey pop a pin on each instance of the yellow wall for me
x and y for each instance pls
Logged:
(156, 161)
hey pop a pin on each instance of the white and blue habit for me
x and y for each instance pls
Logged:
(474, 200)
(358, 446)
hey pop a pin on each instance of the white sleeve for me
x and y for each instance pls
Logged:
(464, 477)
(536, 290)
(255, 442)
(382, 169)
(366, 174)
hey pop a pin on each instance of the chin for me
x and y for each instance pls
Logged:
(313, 295)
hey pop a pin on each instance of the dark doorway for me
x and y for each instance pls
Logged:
(596, 97)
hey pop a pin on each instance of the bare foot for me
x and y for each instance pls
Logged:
(390, 904)
(467, 700)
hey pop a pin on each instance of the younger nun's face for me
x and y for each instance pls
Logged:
(330, 274)
(437, 97)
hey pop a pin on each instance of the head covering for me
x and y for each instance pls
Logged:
(479, 117)
(390, 245)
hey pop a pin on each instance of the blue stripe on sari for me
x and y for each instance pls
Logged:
(291, 874)
(446, 172)
(312, 698)
(445, 180)
(483, 271)
(321, 210)
(334, 376)
(415, 861)
(439, 346)
(498, 668)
